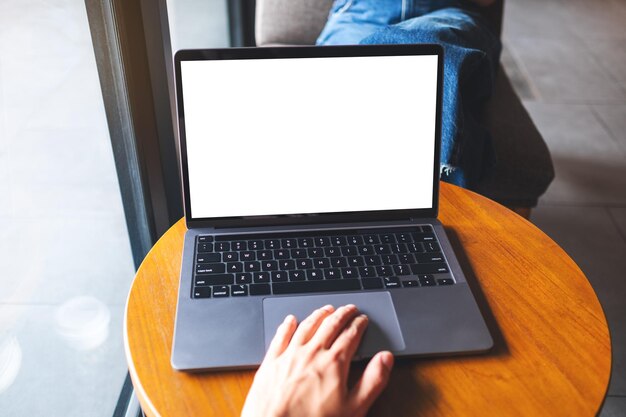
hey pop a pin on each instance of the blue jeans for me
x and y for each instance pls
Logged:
(471, 55)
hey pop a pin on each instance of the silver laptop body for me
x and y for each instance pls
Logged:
(311, 176)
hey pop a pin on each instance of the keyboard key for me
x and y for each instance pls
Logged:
(431, 257)
(355, 240)
(289, 243)
(349, 251)
(388, 238)
(382, 249)
(264, 255)
(281, 254)
(410, 283)
(391, 282)
(332, 273)
(404, 238)
(399, 248)
(415, 247)
(200, 281)
(205, 239)
(371, 239)
(373, 260)
(429, 268)
(332, 251)
(316, 286)
(204, 258)
(427, 229)
(321, 263)
(367, 272)
(306, 242)
(252, 266)
(260, 289)
(322, 241)
(315, 252)
(247, 255)
(423, 237)
(239, 245)
(349, 272)
(384, 271)
(297, 276)
(338, 262)
(234, 267)
(239, 290)
(243, 278)
(255, 245)
(261, 277)
(220, 291)
(210, 268)
(406, 258)
(426, 280)
(401, 270)
(279, 276)
(217, 279)
(390, 259)
(372, 283)
(432, 247)
(445, 281)
(230, 256)
(356, 261)
(298, 253)
(366, 250)
(272, 244)
(314, 274)
(339, 241)
(202, 292)
(269, 265)
(288, 264)
(304, 264)
(222, 246)
(205, 247)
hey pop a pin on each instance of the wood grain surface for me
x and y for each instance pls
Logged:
(552, 354)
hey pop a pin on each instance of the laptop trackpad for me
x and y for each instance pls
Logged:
(383, 331)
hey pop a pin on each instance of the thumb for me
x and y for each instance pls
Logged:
(372, 383)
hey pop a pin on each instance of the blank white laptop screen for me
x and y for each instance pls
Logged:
(309, 135)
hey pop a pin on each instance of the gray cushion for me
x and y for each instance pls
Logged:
(293, 22)
(524, 167)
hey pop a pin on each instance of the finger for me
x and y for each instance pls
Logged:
(282, 337)
(309, 326)
(333, 325)
(349, 340)
(372, 383)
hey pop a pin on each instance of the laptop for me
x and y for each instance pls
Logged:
(311, 177)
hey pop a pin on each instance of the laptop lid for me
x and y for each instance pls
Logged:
(301, 135)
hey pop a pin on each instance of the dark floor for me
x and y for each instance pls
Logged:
(568, 58)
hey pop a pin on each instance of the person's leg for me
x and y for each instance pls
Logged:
(471, 54)
(350, 21)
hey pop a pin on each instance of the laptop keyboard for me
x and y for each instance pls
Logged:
(305, 262)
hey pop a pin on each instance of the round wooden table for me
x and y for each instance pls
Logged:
(552, 353)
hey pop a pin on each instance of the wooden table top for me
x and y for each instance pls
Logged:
(552, 353)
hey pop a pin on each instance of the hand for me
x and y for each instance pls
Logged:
(305, 370)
